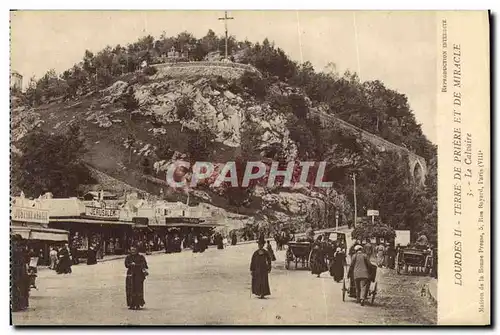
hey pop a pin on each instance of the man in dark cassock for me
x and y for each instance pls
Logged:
(136, 274)
(260, 267)
(19, 275)
(234, 239)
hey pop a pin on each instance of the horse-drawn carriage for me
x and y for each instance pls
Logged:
(414, 260)
(298, 252)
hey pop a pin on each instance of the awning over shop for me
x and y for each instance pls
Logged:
(42, 234)
(189, 225)
(48, 236)
(91, 221)
(22, 231)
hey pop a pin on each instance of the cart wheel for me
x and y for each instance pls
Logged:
(374, 293)
(344, 290)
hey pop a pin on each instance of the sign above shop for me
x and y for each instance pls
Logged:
(102, 213)
(25, 214)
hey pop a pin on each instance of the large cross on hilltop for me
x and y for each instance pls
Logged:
(225, 18)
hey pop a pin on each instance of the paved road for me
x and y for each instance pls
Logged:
(214, 288)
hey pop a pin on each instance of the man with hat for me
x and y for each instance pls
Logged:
(360, 272)
(260, 267)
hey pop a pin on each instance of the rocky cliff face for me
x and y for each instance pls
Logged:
(229, 116)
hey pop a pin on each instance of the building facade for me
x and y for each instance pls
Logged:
(16, 80)
(30, 219)
(113, 225)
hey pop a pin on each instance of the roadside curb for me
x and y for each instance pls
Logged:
(320, 231)
(432, 290)
(113, 258)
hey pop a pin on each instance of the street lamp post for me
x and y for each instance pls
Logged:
(355, 202)
(336, 221)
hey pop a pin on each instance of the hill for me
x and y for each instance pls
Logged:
(140, 121)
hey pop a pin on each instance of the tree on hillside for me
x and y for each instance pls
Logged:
(164, 149)
(239, 196)
(51, 163)
(33, 93)
(402, 204)
(131, 139)
(76, 79)
(129, 102)
(201, 144)
(371, 105)
(302, 135)
(184, 108)
(251, 83)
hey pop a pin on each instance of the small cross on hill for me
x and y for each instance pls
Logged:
(225, 18)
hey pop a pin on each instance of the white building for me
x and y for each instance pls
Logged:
(16, 80)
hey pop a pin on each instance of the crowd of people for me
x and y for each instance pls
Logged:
(325, 255)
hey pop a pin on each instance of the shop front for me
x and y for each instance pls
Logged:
(187, 229)
(147, 237)
(109, 236)
(30, 220)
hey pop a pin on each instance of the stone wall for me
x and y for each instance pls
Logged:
(203, 69)
(416, 163)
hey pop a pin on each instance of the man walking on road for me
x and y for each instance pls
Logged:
(260, 267)
(360, 272)
(136, 274)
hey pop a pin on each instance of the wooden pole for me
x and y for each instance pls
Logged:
(355, 202)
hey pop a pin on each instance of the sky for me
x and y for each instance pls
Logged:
(398, 48)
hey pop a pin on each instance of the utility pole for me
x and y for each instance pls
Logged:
(225, 18)
(355, 202)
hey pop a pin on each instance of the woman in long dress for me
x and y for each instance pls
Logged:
(317, 258)
(219, 241)
(19, 276)
(136, 274)
(260, 266)
(92, 255)
(196, 245)
(337, 268)
(64, 265)
(380, 255)
(270, 251)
